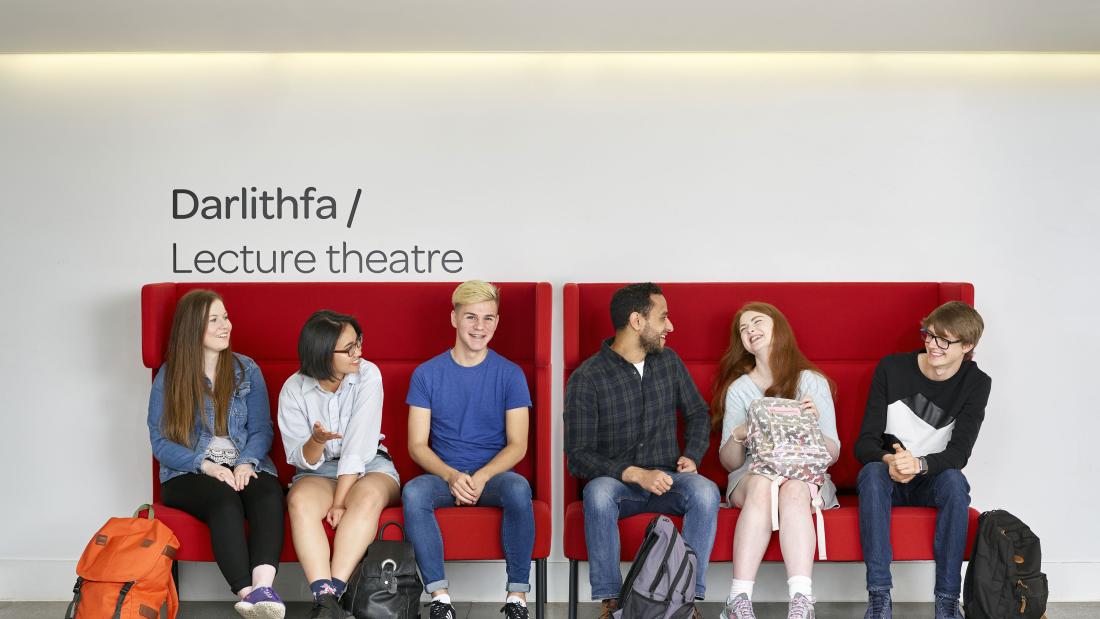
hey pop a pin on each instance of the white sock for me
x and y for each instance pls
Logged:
(442, 598)
(800, 584)
(737, 587)
(512, 599)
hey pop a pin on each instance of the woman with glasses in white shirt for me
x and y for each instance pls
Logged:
(330, 417)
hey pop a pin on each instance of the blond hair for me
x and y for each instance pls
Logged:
(475, 291)
(958, 319)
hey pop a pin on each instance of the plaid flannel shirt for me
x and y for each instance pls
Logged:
(615, 419)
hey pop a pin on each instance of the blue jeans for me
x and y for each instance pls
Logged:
(607, 499)
(427, 493)
(947, 491)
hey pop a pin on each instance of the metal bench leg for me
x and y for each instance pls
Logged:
(540, 588)
(573, 569)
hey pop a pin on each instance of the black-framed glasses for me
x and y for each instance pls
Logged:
(941, 342)
(356, 345)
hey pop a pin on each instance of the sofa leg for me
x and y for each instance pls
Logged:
(540, 588)
(573, 569)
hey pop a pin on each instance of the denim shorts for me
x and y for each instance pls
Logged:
(379, 464)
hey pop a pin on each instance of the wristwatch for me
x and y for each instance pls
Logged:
(923, 465)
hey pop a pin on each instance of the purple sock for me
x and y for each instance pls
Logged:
(340, 586)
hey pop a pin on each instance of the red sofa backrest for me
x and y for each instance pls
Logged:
(845, 328)
(404, 324)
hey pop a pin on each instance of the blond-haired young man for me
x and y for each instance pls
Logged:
(923, 414)
(467, 428)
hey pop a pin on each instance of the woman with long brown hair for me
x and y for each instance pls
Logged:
(210, 426)
(763, 360)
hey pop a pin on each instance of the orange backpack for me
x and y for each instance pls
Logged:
(126, 571)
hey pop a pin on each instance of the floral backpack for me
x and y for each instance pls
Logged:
(786, 443)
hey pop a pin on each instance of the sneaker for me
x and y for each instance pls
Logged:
(326, 606)
(514, 610)
(439, 610)
(607, 607)
(947, 607)
(261, 603)
(801, 607)
(738, 608)
(879, 605)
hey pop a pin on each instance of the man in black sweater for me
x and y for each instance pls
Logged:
(923, 415)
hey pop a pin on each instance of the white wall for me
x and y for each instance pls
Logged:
(559, 168)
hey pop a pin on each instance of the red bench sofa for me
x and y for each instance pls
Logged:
(845, 328)
(404, 324)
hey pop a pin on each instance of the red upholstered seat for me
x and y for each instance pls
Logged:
(403, 324)
(843, 327)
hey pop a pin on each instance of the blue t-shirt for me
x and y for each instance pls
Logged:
(468, 406)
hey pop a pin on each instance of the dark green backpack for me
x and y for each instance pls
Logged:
(1003, 578)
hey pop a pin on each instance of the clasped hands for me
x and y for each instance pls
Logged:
(237, 478)
(902, 464)
(466, 488)
(657, 481)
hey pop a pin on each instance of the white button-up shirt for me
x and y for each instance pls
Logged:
(354, 411)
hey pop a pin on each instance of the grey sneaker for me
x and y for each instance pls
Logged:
(801, 607)
(879, 605)
(947, 608)
(738, 608)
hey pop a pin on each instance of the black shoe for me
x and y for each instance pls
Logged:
(326, 606)
(439, 610)
(513, 610)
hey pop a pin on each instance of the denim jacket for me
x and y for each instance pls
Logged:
(249, 425)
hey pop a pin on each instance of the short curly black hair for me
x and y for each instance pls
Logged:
(629, 299)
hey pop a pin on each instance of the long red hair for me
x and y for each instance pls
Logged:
(786, 361)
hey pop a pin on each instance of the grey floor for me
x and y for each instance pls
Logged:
(296, 610)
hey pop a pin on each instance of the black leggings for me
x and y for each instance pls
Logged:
(224, 510)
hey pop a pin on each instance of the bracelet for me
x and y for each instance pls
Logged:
(733, 437)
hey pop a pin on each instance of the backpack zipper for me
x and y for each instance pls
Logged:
(664, 565)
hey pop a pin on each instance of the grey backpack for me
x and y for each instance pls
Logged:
(661, 582)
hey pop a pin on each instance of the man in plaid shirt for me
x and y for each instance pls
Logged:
(620, 434)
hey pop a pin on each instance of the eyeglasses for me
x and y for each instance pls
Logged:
(356, 345)
(941, 342)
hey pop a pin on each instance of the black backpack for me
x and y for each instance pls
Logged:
(661, 582)
(1003, 577)
(386, 584)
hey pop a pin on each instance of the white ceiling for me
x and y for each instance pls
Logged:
(549, 25)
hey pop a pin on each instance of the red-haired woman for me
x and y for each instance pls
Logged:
(763, 360)
(210, 426)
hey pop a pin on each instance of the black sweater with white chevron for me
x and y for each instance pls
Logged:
(936, 419)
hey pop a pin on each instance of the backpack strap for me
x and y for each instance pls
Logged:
(76, 598)
(173, 597)
(121, 598)
(776, 483)
(818, 503)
